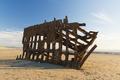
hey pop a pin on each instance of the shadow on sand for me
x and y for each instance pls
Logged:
(12, 63)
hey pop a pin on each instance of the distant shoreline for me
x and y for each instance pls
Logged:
(95, 52)
(114, 53)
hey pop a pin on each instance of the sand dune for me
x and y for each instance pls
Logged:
(97, 67)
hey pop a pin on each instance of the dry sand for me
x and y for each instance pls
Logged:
(97, 67)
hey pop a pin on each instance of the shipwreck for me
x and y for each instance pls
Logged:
(58, 42)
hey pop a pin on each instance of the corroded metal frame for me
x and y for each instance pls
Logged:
(58, 42)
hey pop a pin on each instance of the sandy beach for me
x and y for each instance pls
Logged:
(97, 67)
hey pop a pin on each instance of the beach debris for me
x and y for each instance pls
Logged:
(58, 42)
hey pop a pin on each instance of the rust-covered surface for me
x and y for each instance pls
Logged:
(58, 42)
